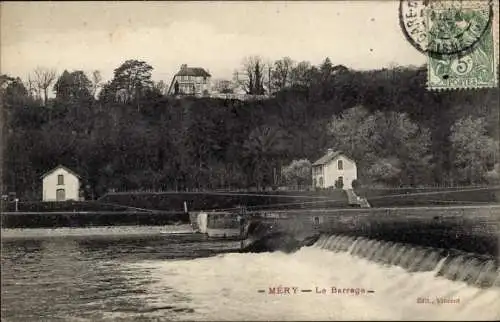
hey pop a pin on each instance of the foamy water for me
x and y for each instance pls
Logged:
(144, 273)
(226, 287)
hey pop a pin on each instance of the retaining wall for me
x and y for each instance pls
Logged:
(468, 228)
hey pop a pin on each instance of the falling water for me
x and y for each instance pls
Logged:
(472, 269)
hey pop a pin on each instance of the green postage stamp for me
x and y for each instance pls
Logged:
(457, 37)
(464, 37)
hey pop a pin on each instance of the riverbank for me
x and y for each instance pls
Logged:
(100, 231)
(91, 219)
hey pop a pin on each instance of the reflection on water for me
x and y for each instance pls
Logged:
(188, 277)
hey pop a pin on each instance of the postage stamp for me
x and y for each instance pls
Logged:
(461, 41)
(476, 69)
(457, 38)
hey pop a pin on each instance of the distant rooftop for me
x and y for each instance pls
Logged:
(192, 71)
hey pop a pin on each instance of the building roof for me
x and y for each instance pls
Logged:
(59, 167)
(193, 71)
(330, 156)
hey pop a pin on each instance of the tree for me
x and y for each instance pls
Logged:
(43, 78)
(96, 82)
(298, 173)
(160, 87)
(473, 151)
(386, 170)
(384, 144)
(300, 75)
(252, 80)
(265, 144)
(281, 73)
(131, 81)
(326, 68)
(352, 132)
(74, 86)
(223, 86)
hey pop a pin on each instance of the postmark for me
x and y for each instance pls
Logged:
(442, 28)
(457, 37)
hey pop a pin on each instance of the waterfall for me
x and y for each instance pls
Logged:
(477, 270)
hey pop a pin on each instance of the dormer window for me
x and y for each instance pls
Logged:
(340, 165)
(60, 179)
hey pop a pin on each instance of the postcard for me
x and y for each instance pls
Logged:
(250, 160)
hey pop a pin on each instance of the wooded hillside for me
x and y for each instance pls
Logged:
(130, 136)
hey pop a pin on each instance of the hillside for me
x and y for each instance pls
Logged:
(399, 133)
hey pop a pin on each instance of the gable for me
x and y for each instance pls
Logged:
(340, 157)
(330, 157)
(59, 167)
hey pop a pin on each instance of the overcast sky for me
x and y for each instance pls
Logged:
(213, 35)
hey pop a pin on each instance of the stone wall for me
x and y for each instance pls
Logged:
(469, 228)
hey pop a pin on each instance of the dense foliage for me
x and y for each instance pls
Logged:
(133, 137)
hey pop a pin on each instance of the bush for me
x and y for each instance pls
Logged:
(355, 184)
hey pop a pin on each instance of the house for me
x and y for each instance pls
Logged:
(60, 184)
(190, 81)
(334, 167)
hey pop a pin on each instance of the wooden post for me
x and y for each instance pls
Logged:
(185, 207)
(17, 204)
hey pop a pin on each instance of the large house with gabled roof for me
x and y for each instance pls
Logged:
(191, 81)
(334, 169)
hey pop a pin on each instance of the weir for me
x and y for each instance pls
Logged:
(473, 269)
(473, 229)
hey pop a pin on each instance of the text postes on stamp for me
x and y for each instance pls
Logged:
(476, 69)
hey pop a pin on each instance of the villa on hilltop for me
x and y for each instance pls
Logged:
(194, 81)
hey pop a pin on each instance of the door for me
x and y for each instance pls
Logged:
(60, 195)
(341, 181)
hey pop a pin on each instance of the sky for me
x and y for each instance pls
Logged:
(214, 35)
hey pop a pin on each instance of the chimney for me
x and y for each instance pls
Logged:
(184, 66)
(330, 151)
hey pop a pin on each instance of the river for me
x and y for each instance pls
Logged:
(144, 274)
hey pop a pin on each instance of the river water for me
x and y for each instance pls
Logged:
(149, 275)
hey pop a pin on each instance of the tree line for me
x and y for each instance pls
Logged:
(127, 134)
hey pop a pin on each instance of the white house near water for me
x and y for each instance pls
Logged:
(61, 184)
(332, 167)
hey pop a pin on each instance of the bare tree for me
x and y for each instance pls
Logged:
(43, 78)
(33, 90)
(96, 82)
(252, 78)
(161, 87)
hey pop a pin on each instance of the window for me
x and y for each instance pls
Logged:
(321, 181)
(316, 220)
(60, 179)
(340, 165)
